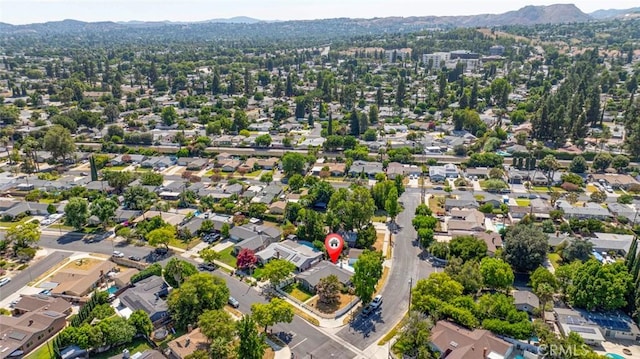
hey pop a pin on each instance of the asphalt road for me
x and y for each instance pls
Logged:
(32, 272)
(75, 242)
(407, 265)
(304, 340)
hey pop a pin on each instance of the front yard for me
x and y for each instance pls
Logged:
(226, 257)
(344, 300)
(178, 243)
(297, 291)
(11, 224)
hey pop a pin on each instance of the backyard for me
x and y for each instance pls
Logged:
(435, 204)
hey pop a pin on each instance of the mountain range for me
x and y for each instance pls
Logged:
(528, 15)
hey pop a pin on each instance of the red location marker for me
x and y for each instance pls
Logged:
(334, 243)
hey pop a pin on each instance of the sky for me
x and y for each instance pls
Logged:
(32, 11)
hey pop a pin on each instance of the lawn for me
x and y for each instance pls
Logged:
(544, 189)
(434, 204)
(555, 259)
(523, 202)
(298, 292)
(379, 241)
(116, 168)
(178, 243)
(83, 264)
(61, 226)
(11, 224)
(137, 345)
(227, 258)
(41, 353)
(258, 273)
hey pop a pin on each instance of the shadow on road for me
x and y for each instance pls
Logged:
(366, 325)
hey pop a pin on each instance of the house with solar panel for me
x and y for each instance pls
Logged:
(596, 327)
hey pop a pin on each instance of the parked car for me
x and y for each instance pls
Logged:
(135, 258)
(4, 281)
(118, 254)
(376, 302)
(233, 302)
(207, 267)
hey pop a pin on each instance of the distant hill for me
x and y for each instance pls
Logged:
(232, 20)
(319, 29)
(613, 13)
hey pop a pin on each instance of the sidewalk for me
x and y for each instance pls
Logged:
(281, 352)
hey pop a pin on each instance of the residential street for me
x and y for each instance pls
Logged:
(32, 272)
(363, 332)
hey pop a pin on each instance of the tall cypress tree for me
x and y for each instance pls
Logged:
(94, 169)
(330, 125)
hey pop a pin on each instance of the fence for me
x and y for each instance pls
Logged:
(129, 263)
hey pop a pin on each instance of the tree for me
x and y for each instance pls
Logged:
(391, 205)
(263, 140)
(111, 112)
(549, 165)
(426, 237)
(76, 212)
(600, 286)
(292, 163)
(161, 236)
(200, 354)
(177, 271)
(328, 290)
(209, 255)
(578, 165)
(439, 286)
(500, 89)
(373, 114)
(59, 142)
(266, 177)
(578, 249)
(224, 230)
(525, 247)
(414, 339)
(598, 196)
(296, 182)
(246, 259)
(466, 273)
(467, 248)
(140, 320)
(252, 344)
(620, 162)
(199, 293)
(543, 276)
(366, 236)
(352, 209)
(367, 272)
(496, 273)
(118, 179)
(139, 198)
(104, 209)
(602, 161)
(276, 311)
(23, 235)
(149, 178)
(169, 116)
(277, 270)
(217, 323)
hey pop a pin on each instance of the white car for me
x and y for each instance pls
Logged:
(118, 254)
(4, 281)
(376, 302)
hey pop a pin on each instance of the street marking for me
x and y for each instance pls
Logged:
(302, 341)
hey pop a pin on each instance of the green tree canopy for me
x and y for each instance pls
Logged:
(199, 293)
(525, 247)
(467, 248)
(177, 271)
(367, 272)
(76, 212)
(496, 273)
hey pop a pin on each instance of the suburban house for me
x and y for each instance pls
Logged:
(455, 342)
(311, 277)
(517, 176)
(440, 173)
(187, 344)
(594, 327)
(148, 295)
(369, 169)
(334, 169)
(616, 181)
(477, 172)
(525, 300)
(395, 169)
(588, 210)
(492, 239)
(277, 207)
(121, 160)
(41, 302)
(20, 335)
(611, 242)
(470, 220)
(26, 208)
(122, 215)
(623, 210)
(157, 162)
(262, 163)
(254, 237)
(230, 165)
(451, 203)
(79, 283)
(300, 255)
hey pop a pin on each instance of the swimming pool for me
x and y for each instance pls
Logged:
(614, 356)
(113, 289)
(499, 227)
